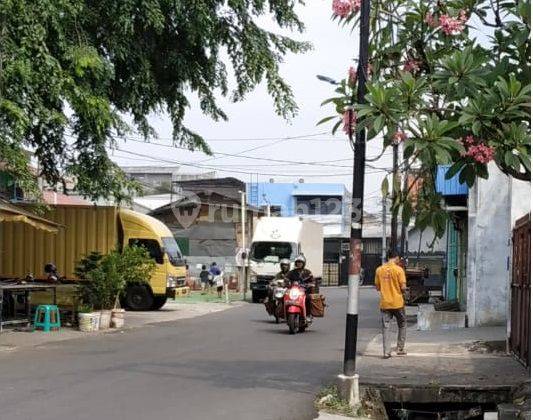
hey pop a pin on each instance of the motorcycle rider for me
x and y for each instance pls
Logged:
(303, 276)
(281, 277)
(285, 266)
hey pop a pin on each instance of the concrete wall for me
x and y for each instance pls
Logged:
(493, 204)
(427, 237)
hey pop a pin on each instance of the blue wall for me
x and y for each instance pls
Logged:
(283, 194)
(450, 186)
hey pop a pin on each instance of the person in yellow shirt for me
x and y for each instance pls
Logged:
(391, 284)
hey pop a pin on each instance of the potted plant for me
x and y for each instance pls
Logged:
(104, 279)
(85, 318)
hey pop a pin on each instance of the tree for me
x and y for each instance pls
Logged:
(71, 70)
(451, 81)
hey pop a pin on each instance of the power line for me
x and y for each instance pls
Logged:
(302, 137)
(284, 162)
(244, 151)
(239, 154)
(312, 163)
(159, 159)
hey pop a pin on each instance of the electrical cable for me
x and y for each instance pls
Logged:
(159, 159)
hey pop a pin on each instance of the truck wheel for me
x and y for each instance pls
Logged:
(292, 320)
(139, 298)
(255, 297)
(159, 302)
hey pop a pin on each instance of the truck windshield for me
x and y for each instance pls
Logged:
(173, 251)
(272, 251)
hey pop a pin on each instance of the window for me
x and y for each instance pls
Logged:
(274, 210)
(272, 251)
(173, 251)
(316, 204)
(152, 246)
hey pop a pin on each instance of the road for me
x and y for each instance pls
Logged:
(235, 364)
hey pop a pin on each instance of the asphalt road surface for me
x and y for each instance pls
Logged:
(234, 365)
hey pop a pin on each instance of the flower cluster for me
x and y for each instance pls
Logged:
(399, 137)
(352, 76)
(344, 8)
(447, 24)
(411, 66)
(477, 150)
(349, 120)
(481, 153)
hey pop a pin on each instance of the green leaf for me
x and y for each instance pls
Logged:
(378, 124)
(336, 127)
(452, 171)
(396, 185)
(323, 120)
(385, 187)
(407, 211)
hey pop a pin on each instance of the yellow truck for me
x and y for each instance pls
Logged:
(85, 229)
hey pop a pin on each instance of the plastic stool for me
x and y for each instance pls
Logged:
(46, 317)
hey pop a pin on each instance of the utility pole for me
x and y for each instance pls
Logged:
(349, 381)
(403, 235)
(395, 181)
(243, 241)
(384, 229)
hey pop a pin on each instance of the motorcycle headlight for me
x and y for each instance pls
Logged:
(253, 279)
(294, 294)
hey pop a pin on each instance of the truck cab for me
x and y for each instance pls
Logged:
(276, 238)
(264, 261)
(169, 274)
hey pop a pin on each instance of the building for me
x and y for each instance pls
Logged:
(478, 242)
(205, 218)
(330, 205)
(159, 179)
(327, 204)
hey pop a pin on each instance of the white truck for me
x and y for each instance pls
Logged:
(276, 238)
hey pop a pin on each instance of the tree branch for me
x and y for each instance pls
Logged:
(522, 176)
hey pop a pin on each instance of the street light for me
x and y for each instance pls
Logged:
(327, 79)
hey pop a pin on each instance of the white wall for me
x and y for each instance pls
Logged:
(427, 238)
(493, 205)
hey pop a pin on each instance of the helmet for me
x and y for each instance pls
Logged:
(285, 261)
(300, 258)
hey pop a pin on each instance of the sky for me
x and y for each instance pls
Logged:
(253, 124)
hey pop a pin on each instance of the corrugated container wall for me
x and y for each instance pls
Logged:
(24, 249)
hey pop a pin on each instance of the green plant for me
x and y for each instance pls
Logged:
(85, 309)
(104, 277)
(330, 401)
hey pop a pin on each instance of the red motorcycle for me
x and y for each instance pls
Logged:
(295, 310)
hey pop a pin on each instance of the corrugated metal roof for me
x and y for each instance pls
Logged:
(451, 186)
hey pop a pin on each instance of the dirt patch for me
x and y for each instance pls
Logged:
(487, 347)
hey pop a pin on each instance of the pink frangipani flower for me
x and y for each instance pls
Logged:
(411, 66)
(344, 8)
(349, 119)
(477, 150)
(399, 137)
(352, 76)
(431, 20)
(453, 26)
